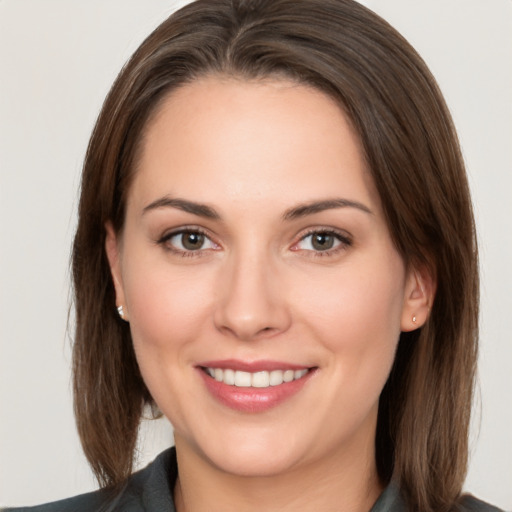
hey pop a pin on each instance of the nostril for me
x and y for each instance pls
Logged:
(266, 330)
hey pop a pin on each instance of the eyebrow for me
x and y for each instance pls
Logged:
(201, 210)
(302, 210)
(320, 206)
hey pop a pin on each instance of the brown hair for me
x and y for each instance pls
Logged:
(411, 148)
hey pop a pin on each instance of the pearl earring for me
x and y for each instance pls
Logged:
(414, 319)
(120, 311)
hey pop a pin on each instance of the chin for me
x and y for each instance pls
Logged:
(248, 454)
(253, 463)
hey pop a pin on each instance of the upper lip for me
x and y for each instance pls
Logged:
(252, 366)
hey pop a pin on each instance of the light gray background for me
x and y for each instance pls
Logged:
(57, 61)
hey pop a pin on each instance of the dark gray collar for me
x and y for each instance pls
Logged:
(389, 501)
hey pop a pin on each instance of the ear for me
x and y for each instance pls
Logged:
(420, 290)
(112, 250)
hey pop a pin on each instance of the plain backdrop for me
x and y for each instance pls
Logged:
(58, 59)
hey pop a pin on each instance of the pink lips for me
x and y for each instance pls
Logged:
(252, 399)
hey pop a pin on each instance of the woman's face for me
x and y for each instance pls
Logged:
(264, 294)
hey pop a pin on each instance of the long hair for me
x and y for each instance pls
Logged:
(412, 152)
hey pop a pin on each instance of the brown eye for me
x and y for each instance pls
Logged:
(322, 241)
(192, 241)
(187, 241)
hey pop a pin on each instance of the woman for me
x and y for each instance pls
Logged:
(276, 248)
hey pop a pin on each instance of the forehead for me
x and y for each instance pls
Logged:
(249, 138)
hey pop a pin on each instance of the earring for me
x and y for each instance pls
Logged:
(120, 311)
(414, 319)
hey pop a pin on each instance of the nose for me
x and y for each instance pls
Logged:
(252, 300)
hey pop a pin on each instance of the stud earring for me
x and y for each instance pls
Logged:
(120, 311)
(414, 319)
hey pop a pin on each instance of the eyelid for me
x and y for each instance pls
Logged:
(342, 236)
(168, 235)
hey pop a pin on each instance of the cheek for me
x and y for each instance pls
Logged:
(166, 307)
(167, 315)
(357, 320)
(356, 313)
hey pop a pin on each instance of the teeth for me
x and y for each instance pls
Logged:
(229, 377)
(289, 375)
(255, 380)
(300, 373)
(260, 380)
(242, 379)
(276, 378)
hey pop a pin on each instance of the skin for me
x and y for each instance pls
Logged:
(258, 289)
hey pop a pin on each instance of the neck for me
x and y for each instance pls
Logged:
(345, 481)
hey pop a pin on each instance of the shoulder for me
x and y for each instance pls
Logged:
(92, 502)
(147, 490)
(469, 503)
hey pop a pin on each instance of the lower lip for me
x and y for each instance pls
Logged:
(253, 400)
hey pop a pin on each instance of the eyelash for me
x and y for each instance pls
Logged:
(343, 239)
(164, 241)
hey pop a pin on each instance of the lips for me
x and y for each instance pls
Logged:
(253, 387)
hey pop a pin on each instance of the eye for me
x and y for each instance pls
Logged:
(322, 241)
(187, 241)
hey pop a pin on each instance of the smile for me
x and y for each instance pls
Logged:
(254, 387)
(260, 379)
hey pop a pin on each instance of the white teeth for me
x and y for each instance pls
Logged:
(242, 379)
(288, 375)
(262, 379)
(300, 373)
(229, 377)
(276, 377)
